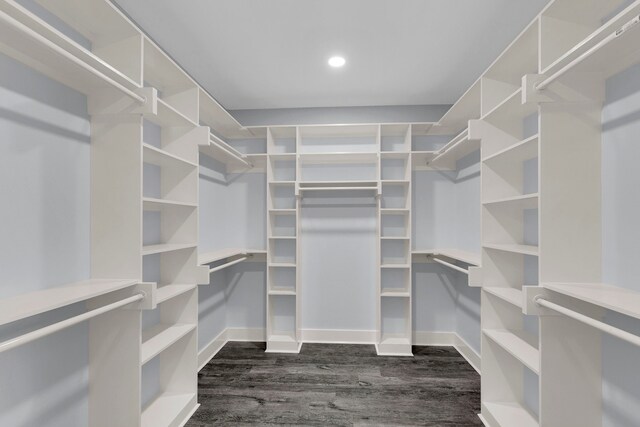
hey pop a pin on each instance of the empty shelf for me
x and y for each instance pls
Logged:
(395, 266)
(152, 204)
(167, 292)
(394, 238)
(510, 295)
(467, 257)
(166, 247)
(170, 409)
(167, 116)
(282, 211)
(33, 303)
(511, 109)
(282, 264)
(518, 249)
(395, 294)
(392, 211)
(223, 152)
(209, 257)
(160, 337)
(282, 237)
(526, 201)
(283, 337)
(522, 151)
(31, 40)
(620, 300)
(162, 158)
(519, 344)
(282, 292)
(338, 157)
(510, 414)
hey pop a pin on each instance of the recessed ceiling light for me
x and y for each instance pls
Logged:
(337, 61)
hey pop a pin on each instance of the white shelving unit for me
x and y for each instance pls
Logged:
(283, 253)
(394, 283)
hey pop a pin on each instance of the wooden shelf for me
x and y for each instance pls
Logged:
(168, 116)
(526, 201)
(169, 409)
(209, 257)
(456, 149)
(522, 151)
(511, 295)
(282, 292)
(282, 237)
(511, 109)
(337, 184)
(282, 156)
(606, 58)
(614, 298)
(32, 41)
(401, 266)
(338, 157)
(395, 294)
(392, 211)
(282, 264)
(517, 249)
(467, 257)
(282, 211)
(509, 414)
(167, 292)
(166, 247)
(162, 158)
(33, 303)
(160, 337)
(152, 204)
(221, 151)
(394, 238)
(519, 344)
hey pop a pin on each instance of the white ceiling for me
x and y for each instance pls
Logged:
(252, 54)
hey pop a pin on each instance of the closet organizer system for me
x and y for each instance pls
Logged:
(536, 113)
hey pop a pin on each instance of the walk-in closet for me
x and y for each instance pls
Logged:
(292, 212)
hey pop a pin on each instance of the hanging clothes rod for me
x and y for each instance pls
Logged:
(19, 26)
(232, 154)
(618, 33)
(48, 330)
(448, 264)
(611, 330)
(228, 264)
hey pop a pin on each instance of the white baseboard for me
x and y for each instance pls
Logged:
(211, 349)
(246, 334)
(449, 339)
(468, 353)
(336, 336)
(434, 338)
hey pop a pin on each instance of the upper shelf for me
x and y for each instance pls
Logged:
(223, 152)
(339, 157)
(32, 41)
(465, 109)
(620, 300)
(467, 257)
(38, 302)
(610, 48)
(456, 149)
(209, 257)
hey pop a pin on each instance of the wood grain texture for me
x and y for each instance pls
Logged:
(338, 385)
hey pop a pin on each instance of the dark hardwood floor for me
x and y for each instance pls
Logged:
(337, 385)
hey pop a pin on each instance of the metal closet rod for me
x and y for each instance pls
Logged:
(604, 327)
(618, 33)
(448, 264)
(67, 55)
(231, 153)
(48, 330)
(229, 264)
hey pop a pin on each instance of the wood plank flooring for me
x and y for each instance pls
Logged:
(337, 385)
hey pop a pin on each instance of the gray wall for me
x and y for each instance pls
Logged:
(44, 242)
(620, 238)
